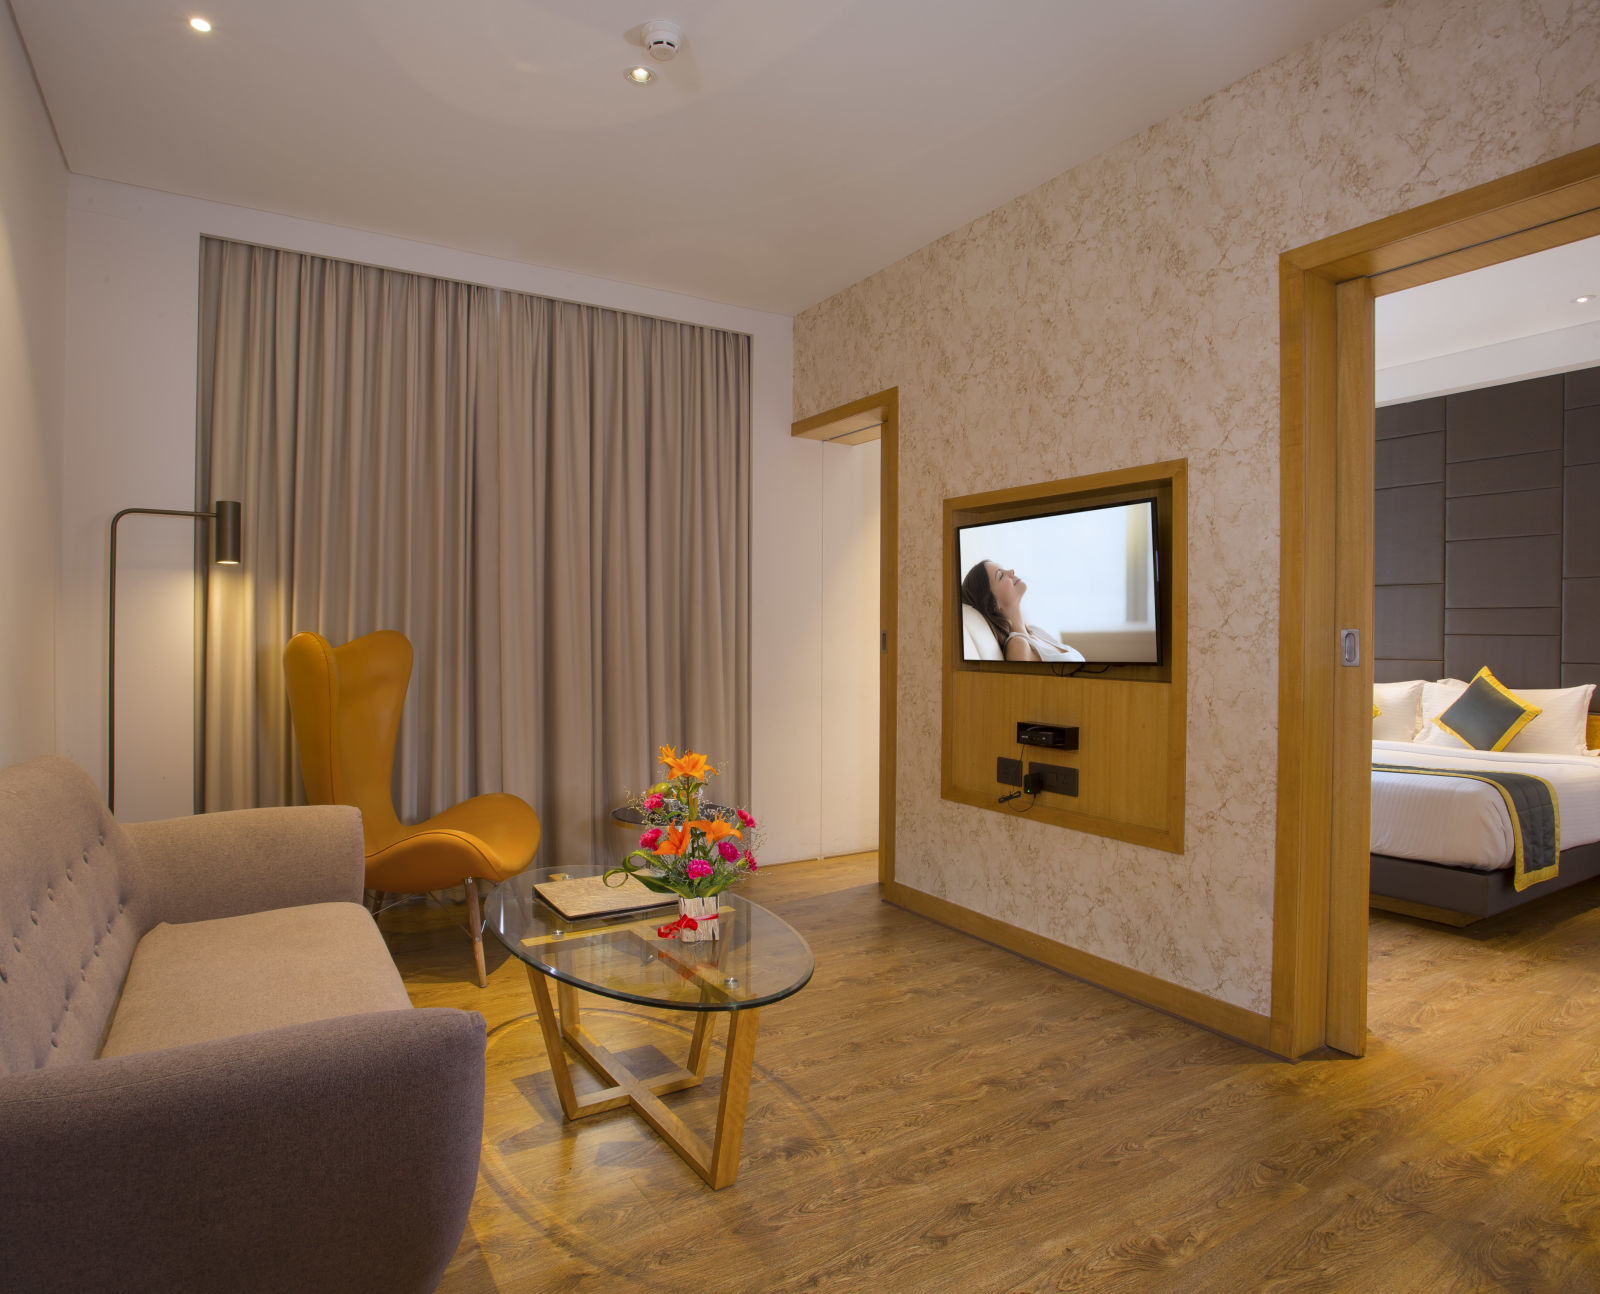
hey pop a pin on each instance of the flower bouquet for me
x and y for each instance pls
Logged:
(688, 848)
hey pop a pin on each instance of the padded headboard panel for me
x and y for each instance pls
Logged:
(1487, 537)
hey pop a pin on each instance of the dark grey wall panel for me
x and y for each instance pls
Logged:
(1501, 420)
(1516, 662)
(1583, 387)
(1580, 620)
(1501, 516)
(1403, 671)
(1411, 460)
(1582, 552)
(1504, 622)
(1409, 619)
(1511, 576)
(1503, 573)
(1502, 475)
(1583, 435)
(1408, 525)
(1410, 418)
(1576, 674)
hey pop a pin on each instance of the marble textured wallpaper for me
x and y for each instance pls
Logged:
(1126, 312)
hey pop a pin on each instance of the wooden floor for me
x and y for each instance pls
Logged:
(932, 1113)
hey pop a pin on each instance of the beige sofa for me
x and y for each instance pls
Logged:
(211, 1077)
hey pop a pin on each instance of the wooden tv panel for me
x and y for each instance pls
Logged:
(1131, 718)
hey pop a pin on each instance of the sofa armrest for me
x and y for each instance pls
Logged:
(251, 860)
(339, 1155)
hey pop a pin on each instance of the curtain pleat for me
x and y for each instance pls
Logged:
(550, 500)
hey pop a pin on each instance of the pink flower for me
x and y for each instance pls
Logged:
(728, 850)
(651, 838)
(745, 818)
(749, 860)
(697, 869)
(654, 802)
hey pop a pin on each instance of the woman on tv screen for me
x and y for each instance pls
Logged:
(996, 594)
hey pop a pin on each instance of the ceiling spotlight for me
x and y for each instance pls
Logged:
(199, 24)
(640, 75)
(662, 39)
(1583, 300)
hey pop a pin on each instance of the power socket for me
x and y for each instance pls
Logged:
(1008, 772)
(1054, 778)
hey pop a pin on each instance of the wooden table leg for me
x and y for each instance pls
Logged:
(567, 999)
(550, 1027)
(717, 1163)
(700, 1043)
(741, 1054)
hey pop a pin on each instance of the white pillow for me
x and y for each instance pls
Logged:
(1562, 728)
(1399, 710)
(1436, 699)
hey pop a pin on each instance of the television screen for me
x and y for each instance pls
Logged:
(1074, 586)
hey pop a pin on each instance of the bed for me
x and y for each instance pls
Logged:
(1443, 847)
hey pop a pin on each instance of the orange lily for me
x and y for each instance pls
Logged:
(690, 765)
(674, 842)
(715, 830)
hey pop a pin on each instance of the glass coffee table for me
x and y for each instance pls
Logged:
(759, 959)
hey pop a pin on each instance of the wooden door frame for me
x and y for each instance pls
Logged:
(1319, 953)
(877, 417)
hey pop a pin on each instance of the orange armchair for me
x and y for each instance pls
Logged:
(346, 704)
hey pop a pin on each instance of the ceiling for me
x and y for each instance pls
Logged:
(788, 151)
(1527, 297)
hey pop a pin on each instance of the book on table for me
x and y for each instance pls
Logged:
(580, 897)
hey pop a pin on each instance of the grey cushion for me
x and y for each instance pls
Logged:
(214, 979)
(1487, 715)
(249, 860)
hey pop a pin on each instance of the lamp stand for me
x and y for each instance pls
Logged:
(225, 553)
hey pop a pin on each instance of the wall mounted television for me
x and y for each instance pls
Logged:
(1074, 587)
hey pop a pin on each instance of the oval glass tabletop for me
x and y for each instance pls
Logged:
(758, 959)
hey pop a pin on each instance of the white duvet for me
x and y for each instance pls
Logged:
(1456, 820)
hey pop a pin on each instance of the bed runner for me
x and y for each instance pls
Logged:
(1535, 816)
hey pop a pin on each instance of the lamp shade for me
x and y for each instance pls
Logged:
(225, 534)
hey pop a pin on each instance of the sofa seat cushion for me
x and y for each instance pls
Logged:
(214, 979)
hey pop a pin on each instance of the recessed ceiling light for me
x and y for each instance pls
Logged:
(199, 24)
(1583, 300)
(640, 75)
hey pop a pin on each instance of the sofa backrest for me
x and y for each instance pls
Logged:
(71, 911)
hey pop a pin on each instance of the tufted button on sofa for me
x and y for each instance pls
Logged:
(211, 1077)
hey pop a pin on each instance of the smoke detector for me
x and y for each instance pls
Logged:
(662, 39)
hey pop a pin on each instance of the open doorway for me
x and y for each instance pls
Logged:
(1326, 589)
(850, 646)
(1486, 567)
(849, 637)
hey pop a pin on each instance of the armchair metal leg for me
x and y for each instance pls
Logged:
(475, 921)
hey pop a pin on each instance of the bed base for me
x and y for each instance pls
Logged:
(1459, 896)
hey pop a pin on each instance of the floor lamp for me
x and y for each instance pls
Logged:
(225, 552)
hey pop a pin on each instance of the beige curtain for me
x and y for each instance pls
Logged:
(550, 500)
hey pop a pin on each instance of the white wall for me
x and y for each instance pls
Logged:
(33, 191)
(850, 627)
(131, 318)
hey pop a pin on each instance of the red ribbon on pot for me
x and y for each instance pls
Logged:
(684, 922)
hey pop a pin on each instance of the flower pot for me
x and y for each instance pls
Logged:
(704, 914)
